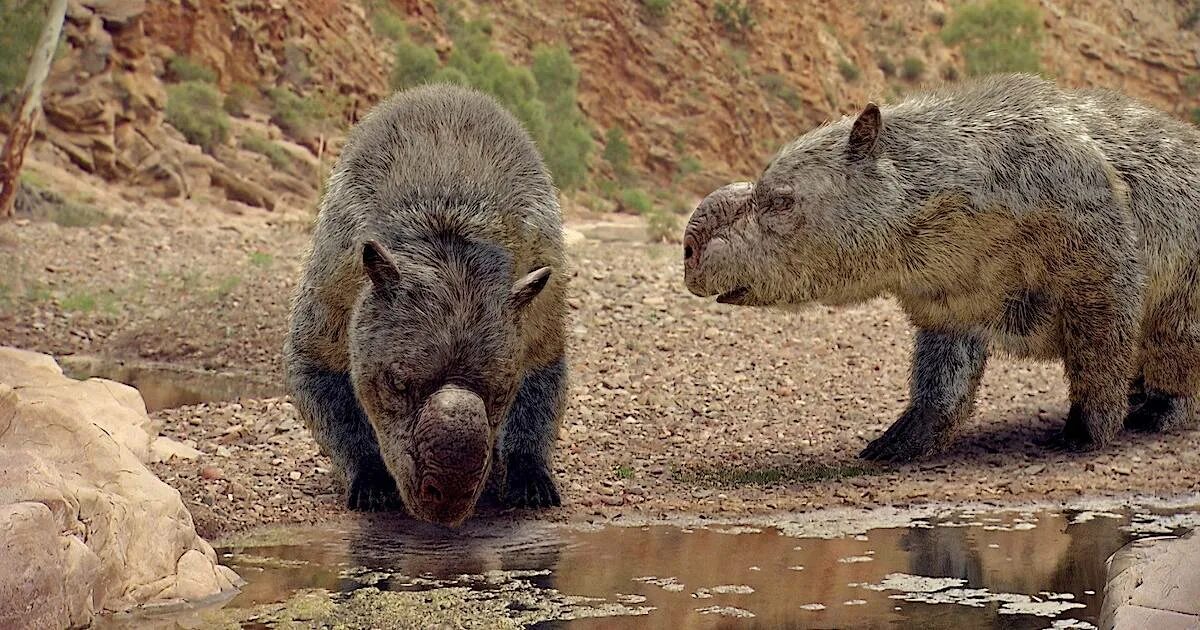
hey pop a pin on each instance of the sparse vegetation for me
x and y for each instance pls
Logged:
(636, 200)
(1190, 84)
(769, 476)
(657, 8)
(261, 145)
(848, 70)
(735, 16)
(225, 285)
(240, 95)
(181, 69)
(950, 72)
(415, 64)
(688, 165)
(912, 68)
(1195, 115)
(623, 472)
(298, 116)
(616, 152)
(568, 141)
(776, 85)
(1192, 17)
(996, 36)
(385, 22)
(542, 97)
(261, 259)
(938, 18)
(20, 25)
(886, 66)
(196, 109)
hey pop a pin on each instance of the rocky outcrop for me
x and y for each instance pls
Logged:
(684, 87)
(85, 527)
(1154, 583)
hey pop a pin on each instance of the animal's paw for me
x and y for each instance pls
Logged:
(914, 436)
(1082, 434)
(1159, 412)
(529, 484)
(372, 489)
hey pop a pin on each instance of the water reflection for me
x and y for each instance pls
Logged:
(166, 387)
(1042, 555)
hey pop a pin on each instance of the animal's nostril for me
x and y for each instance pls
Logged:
(687, 252)
(430, 492)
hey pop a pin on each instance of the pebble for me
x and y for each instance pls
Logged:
(211, 473)
(294, 475)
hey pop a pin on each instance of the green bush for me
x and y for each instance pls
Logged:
(1190, 84)
(848, 70)
(568, 136)
(543, 96)
(414, 65)
(886, 66)
(239, 96)
(636, 200)
(299, 117)
(21, 23)
(195, 109)
(689, 165)
(181, 69)
(912, 68)
(386, 23)
(734, 15)
(261, 145)
(616, 152)
(777, 86)
(657, 8)
(996, 36)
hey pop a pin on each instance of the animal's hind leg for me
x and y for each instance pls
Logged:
(1171, 363)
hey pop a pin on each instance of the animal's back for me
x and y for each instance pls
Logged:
(1158, 158)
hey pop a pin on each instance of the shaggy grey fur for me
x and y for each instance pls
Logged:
(1004, 215)
(434, 290)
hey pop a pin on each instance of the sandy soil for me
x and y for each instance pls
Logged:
(678, 405)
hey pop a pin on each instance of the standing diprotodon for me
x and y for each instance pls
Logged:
(1005, 214)
(426, 345)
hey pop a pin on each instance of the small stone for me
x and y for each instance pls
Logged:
(211, 472)
(294, 475)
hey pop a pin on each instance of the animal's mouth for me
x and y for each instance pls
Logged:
(734, 296)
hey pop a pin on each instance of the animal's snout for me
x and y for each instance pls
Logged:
(452, 454)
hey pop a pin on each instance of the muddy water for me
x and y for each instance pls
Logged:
(1001, 570)
(166, 386)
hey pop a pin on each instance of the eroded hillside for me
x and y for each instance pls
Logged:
(700, 96)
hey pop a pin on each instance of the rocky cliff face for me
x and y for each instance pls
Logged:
(682, 85)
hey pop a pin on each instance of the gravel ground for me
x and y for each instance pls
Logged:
(677, 405)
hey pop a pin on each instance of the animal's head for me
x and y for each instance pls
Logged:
(434, 352)
(810, 229)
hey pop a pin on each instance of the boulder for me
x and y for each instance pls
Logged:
(1154, 583)
(85, 527)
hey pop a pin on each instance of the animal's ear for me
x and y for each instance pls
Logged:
(527, 288)
(864, 135)
(380, 267)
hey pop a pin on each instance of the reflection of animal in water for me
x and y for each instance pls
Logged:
(1046, 557)
(1003, 214)
(426, 349)
(413, 549)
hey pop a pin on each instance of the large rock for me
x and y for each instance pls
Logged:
(85, 527)
(1154, 583)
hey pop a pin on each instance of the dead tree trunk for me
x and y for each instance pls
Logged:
(30, 106)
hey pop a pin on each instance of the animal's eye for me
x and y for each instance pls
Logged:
(397, 384)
